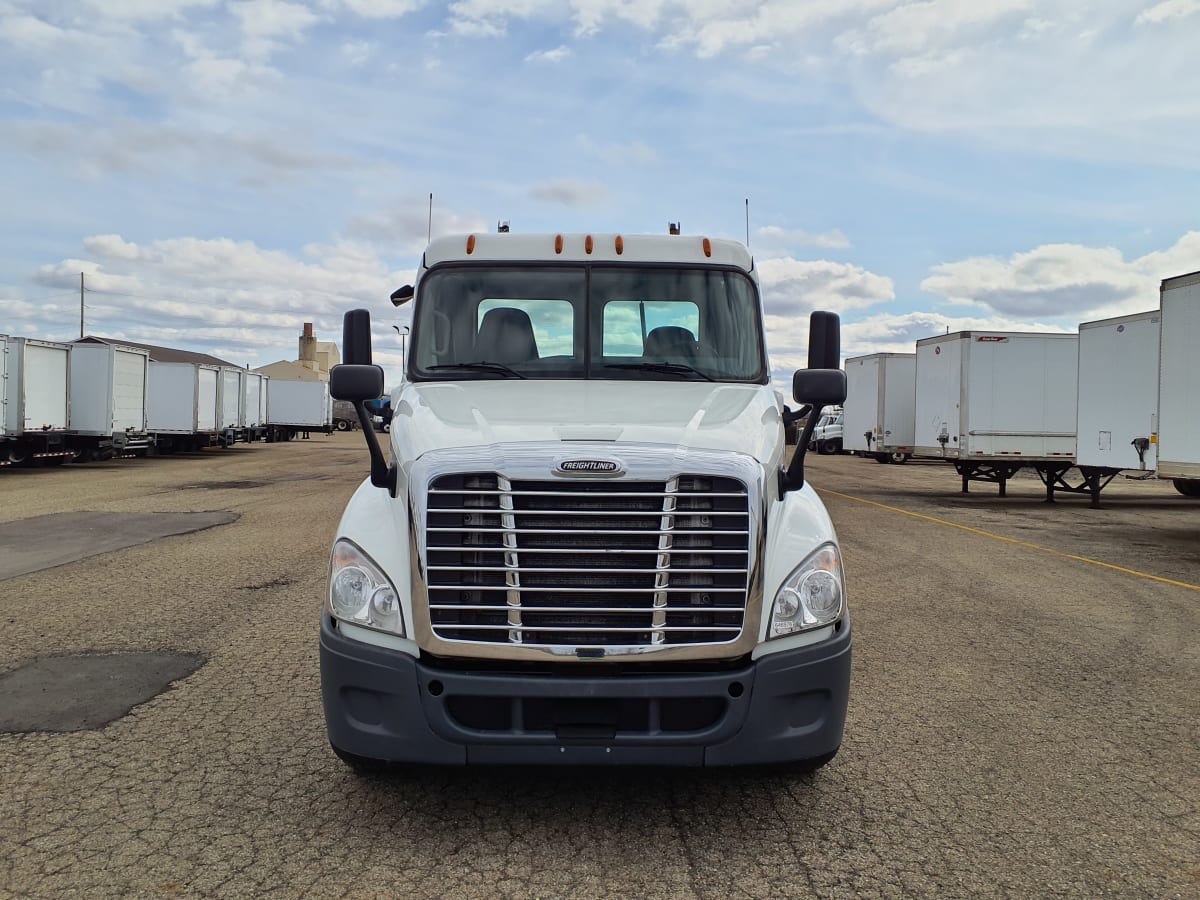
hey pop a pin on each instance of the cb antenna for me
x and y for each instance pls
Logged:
(747, 223)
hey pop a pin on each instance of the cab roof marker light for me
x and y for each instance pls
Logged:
(587, 244)
(470, 244)
(558, 243)
(707, 247)
(620, 244)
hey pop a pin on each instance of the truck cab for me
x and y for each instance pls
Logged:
(587, 543)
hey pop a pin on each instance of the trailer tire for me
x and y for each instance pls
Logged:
(899, 457)
(342, 425)
(1189, 487)
(18, 453)
(882, 458)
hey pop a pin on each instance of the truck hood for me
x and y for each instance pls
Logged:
(742, 418)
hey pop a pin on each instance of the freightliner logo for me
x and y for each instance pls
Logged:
(589, 467)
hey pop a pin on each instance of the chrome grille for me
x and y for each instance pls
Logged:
(587, 563)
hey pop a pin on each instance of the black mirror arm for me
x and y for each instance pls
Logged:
(795, 415)
(382, 475)
(792, 478)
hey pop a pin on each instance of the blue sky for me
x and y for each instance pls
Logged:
(225, 171)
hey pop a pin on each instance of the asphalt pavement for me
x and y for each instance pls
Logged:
(1023, 716)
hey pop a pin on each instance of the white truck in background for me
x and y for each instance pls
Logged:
(879, 419)
(34, 408)
(108, 400)
(588, 546)
(297, 407)
(994, 402)
(1179, 384)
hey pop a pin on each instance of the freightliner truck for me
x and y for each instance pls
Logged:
(589, 545)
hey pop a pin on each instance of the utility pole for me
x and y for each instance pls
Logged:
(81, 306)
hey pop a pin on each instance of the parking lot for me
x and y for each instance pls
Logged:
(1023, 718)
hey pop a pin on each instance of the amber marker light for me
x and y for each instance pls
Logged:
(587, 244)
(558, 243)
(707, 247)
(470, 244)
(620, 242)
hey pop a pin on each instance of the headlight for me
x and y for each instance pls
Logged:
(360, 593)
(812, 596)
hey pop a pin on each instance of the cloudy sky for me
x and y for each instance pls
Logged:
(224, 170)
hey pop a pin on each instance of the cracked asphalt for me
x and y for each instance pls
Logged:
(1023, 716)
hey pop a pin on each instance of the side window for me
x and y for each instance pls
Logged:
(553, 322)
(626, 322)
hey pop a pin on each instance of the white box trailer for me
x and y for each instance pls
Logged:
(254, 405)
(880, 409)
(1179, 383)
(181, 405)
(108, 398)
(1118, 392)
(34, 402)
(231, 389)
(993, 402)
(294, 406)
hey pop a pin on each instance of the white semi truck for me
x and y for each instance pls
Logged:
(880, 415)
(1179, 384)
(589, 545)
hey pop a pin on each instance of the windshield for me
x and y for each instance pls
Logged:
(669, 322)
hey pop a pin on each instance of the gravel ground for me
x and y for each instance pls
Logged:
(1023, 715)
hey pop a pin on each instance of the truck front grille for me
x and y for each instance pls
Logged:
(587, 563)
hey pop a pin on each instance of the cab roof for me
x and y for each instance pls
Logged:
(632, 248)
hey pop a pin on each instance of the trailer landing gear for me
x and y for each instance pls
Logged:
(995, 472)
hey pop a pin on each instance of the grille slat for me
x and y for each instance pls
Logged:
(552, 563)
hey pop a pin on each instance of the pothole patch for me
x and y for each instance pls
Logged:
(85, 692)
(282, 581)
(222, 485)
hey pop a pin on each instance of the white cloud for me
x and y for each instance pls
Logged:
(199, 294)
(570, 192)
(794, 288)
(557, 55)
(273, 18)
(404, 225)
(774, 239)
(1069, 282)
(633, 153)
(1167, 10)
(384, 9)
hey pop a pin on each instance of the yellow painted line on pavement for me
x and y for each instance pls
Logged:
(1008, 540)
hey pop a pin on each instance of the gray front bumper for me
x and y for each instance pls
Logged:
(386, 705)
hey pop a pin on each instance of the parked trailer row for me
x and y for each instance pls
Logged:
(90, 401)
(1119, 396)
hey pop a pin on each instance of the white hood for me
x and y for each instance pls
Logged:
(742, 418)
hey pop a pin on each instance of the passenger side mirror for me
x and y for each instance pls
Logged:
(822, 384)
(355, 382)
(358, 381)
(819, 387)
(356, 338)
(824, 340)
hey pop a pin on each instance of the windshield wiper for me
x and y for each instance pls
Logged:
(666, 367)
(499, 368)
